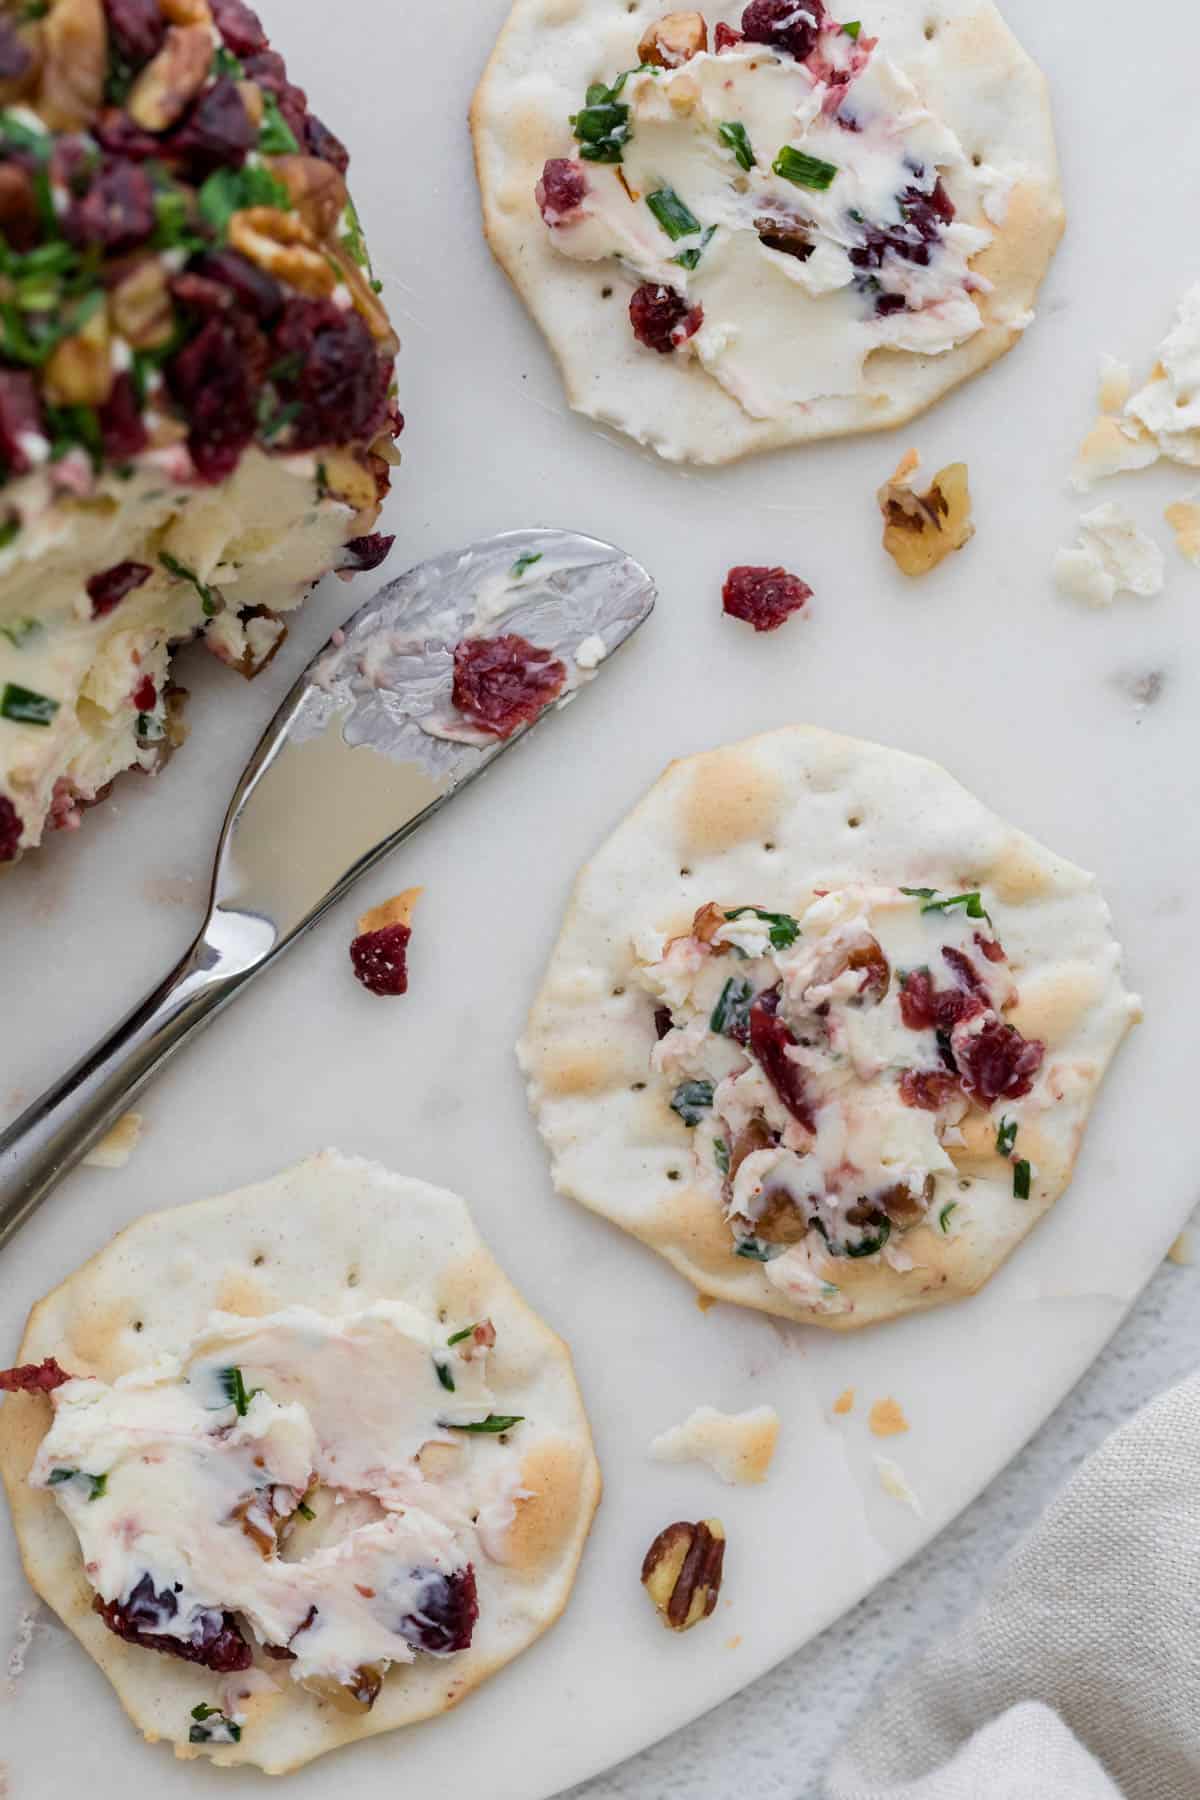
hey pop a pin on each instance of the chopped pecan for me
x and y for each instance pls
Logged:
(169, 83)
(780, 1221)
(707, 922)
(682, 1571)
(80, 372)
(919, 530)
(75, 66)
(903, 1207)
(877, 978)
(317, 190)
(790, 236)
(284, 246)
(752, 1137)
(366, 302)
(674, 40)
(140, 305)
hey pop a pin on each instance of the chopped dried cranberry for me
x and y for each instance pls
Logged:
(20, 417)
(964, 969)
(200, 294)
(663, 1022)
(215, 1641)
(443, 1620)
(917, 1000)
(217, 133)
(380, 959)
(770, 1041)
(117, 211)
(254, 290)
(992, 948)
(363, 553)
(122, 428)
(116, 132)
(725, 37)
(20, 224)
(14, 55)
(928, 1089)
(922, 1006)
(110, 587)
(33, 1378)
(137, 27)
(868, 959)
(784, 24)
(217, 379)
(240, 27)
(886, 304)
(342, 381)
(561, 189)
(10, 830)
(661, 318)
(503, 682)
(762, 597)
(269, 70)
(145, 695)
(997, 1063)
(320, 141)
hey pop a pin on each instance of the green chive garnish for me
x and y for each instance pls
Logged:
(944, 1215)
(24, 707)
(853, 28)
(1006, 1137)
(869, 1245)
(234, 1389)
(444, 1375)
(733, 1008)
(275, 137)
(721, 1155)
(754, 1251)
(523, 562)
(492, 1425)
(784, 929)
(676, 219)
(181, 572)
(305, 1511)
(734, 134)
(973, 902)
(689, 258)
(803, 170)
(458, 1337)
(1021, 1176)
(691, 1100)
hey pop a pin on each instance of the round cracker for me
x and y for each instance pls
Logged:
(336, 1234)
(768, 821)
(967, 66)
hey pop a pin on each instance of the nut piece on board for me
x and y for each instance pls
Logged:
(674, 40)
(919, 530)
(682, 1572)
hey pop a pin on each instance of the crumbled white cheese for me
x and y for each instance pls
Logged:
(894, 1483)
(736, 1446)
(591, 653)
(1161, 419)
(1112, 557)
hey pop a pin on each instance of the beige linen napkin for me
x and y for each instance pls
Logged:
(1079, 1676)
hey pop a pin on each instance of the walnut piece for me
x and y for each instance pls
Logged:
(186, 12)
(79, 371)
(317, 190)
(140, 305)
(283, 245)
(919, 530)
(75, 44)
(674, 40)
(682, 1572)
(172, 79)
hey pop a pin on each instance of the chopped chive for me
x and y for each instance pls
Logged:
(492, 1425)
(1021, 1177)
(972, 902)
(181, 572)
(676, 219)
(204, 1733)
(853, 28)
(602, 127)
(803, 170)
(691, 1100)
(523, 562)
(1006, 1137)
(275, 137)
(944, 1215)
(869, 1245)
(305, 1510)
(784, 929)
(99, 1487)
(732, 1011)
(689, 258)
(444, 1375)
(56, 1477)
(733, 133)
(353, 240)
(234, 1389)
(20, 631)
(721, 1155)
(754, 1251)
(458, 1337)
(224, 62)
(23, 707)
(10, 530)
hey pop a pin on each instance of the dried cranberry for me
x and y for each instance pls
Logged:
(443, 1620)
(997, 1063)
(380, 959)
(20, 224)
(886, 304)
(20, 416)
(254, 290)
(10, 843)
(217, 133)
(240, 28)
(269, 70)
(215, 1641)
(764, 598)
(917, 1000)
(784, 24)
(922, 1006)
(663, 1022)
(110, 587)
(117, 211)
(116, 132)
(122, 428)
(320, 141)
(770, 1041)
(927, 1089)
(14, 55)
(661, 318)
(503, 682)
(342, 381)
(725, 37)
(561, 189)
(200, 294)
(145, 695)
(964, 969)
(217, 379)
(363, 553)
(992, 948)
(33, 1378)
(137, 27)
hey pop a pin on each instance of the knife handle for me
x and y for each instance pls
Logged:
(53, 1134)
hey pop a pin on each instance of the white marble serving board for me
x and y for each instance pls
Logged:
(1074, 725)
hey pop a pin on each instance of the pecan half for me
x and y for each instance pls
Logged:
(172, 79)
(920, 530)
(903, 1207)
(674, 40)
(682, 1572)
(75, 43)
(283, 245)
(140, 305)
(80, 372)
(317, 190)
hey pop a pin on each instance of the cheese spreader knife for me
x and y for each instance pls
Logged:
(365, 748)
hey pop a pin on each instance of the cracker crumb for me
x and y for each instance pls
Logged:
(736, 1446)
(397, 911)
(706, 1302)
(1183, 516)
(886, 1418)
(1182, 1251)
(844, 1402)
(1113, 556)
(894, 1483)
(117, 1146)
(1162, 418)
(733, 1642)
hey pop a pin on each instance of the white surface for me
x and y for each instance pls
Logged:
(1045, 711)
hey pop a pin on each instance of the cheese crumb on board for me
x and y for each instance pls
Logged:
(844, 1402)
(886, 1418)
(117, 1146)
(894, 1483)
(736, 1446)
(1113, 556)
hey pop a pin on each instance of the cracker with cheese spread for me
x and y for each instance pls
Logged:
(756, 224)
(822, 1030)
(297, 1465)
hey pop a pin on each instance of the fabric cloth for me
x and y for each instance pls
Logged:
(1078, 1678)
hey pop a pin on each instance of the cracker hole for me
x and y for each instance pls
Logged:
(259, 1260)
(617, 992)
(768, 848)
(673, 1174)
(977, 158)
(443, 1315)
(684, 874)
(930, 31)
(138, 1325)
(854, 821)
(606, 293)
(964, 1187)
(639, 1087)
(352, 1278)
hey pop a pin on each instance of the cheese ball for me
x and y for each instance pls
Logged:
(197, 403)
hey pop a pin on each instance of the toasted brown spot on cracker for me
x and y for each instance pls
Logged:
(730, 800)
(545, 1522)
